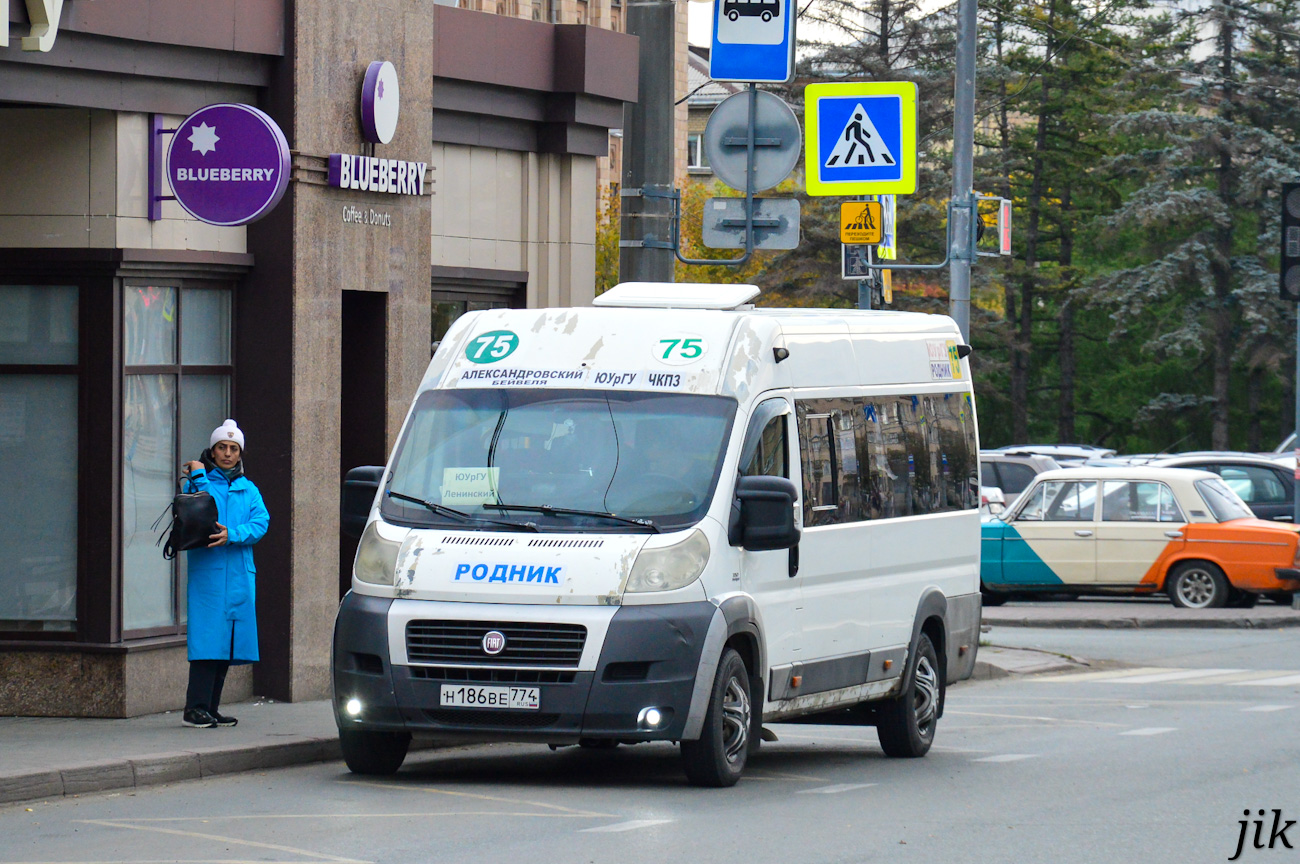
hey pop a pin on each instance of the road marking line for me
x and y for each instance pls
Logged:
(1024, 717)
(496, 799)
(836, 789)
(1007, 757)
(423, 814)
(1151, 730)
(768, 774)
(1176, 675)
(1285, 681)
(625, 826)
(1266, 708)
(221, 839)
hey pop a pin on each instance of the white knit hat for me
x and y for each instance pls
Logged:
(227, 431)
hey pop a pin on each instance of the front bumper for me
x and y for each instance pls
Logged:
(650, 658)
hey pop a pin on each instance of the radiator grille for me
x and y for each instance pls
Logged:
(527, 644)
(492, 676)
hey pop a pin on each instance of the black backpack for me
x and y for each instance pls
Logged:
(194, 521)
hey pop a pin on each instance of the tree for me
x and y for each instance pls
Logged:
(1213, 158)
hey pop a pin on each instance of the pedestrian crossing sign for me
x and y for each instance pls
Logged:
(860, 138)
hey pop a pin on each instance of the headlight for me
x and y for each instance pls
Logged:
(376, 560)
(670, 567)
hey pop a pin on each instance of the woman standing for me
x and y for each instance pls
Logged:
(222, 592)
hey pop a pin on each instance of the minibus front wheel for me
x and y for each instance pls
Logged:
(373, 752)
(718, 758)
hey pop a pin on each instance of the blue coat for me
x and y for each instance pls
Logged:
(222, 580)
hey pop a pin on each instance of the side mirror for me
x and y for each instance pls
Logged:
(359, 487)
(762, 514)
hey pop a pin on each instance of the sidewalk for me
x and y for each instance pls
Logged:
(47, 757)
(1134, 612)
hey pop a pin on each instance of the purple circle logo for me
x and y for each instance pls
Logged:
(380, 102)
(494, 642)
(228, 164)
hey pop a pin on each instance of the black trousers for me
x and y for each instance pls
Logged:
(207, 677)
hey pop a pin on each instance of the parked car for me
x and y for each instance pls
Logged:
(1068, 455)
(1012, 472)
(992, 501)
(1266, 486)
(1177, 530)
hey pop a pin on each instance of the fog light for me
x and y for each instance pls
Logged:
(353, 707)
(652, 718)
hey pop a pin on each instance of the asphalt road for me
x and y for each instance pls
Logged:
(1154, 762)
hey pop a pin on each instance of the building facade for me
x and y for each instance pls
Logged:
(129, 329)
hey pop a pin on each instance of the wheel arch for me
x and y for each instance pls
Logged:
(931, 619)
(737, 624)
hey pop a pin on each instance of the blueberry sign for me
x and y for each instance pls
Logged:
(228, 164)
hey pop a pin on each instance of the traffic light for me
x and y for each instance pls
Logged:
(1289, 269)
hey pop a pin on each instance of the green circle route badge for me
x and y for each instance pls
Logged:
(491, 346)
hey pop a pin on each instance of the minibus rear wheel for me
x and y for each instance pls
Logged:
(905, 724)
(373, 752)
(718, 758)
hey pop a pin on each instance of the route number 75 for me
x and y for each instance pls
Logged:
(685, 349)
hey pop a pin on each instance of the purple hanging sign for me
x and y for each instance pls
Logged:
(228, 164)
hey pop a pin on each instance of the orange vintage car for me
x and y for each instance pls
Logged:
(1138, 530)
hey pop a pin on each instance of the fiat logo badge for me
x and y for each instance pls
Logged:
(494, 642)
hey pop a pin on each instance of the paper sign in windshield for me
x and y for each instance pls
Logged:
(469, 486)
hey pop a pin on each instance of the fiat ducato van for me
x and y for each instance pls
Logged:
(668, 517)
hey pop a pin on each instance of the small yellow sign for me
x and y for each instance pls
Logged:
(887, 285)
(861, 223)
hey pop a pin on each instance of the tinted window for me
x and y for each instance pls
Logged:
(1252, 484)
(1015, 477)
(887, 456)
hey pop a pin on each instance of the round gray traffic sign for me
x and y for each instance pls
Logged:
(776, 140)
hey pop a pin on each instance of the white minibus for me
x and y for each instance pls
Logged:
(672, 517)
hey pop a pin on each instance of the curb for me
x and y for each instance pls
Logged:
(112, 774)
(1148, 623)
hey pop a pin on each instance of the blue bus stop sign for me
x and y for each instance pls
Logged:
(753, 40)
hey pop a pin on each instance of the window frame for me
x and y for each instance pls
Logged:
(178, 370)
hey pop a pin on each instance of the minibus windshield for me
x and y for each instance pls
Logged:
(562, 460)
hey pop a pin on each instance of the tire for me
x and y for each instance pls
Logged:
(905, 724)
(1198, 585)
(718, 758)
(733, 15)
(991, 598)
(379, 753)
(767, 16)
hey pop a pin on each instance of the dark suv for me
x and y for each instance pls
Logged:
(1267, 487)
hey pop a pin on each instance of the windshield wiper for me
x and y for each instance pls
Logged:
(548, 510)
(444, 510)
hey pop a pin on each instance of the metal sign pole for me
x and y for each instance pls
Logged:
(963, 169)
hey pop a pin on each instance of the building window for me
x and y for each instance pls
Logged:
(177, 364)
(39, 391)
(553, 11)
(696, 159)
